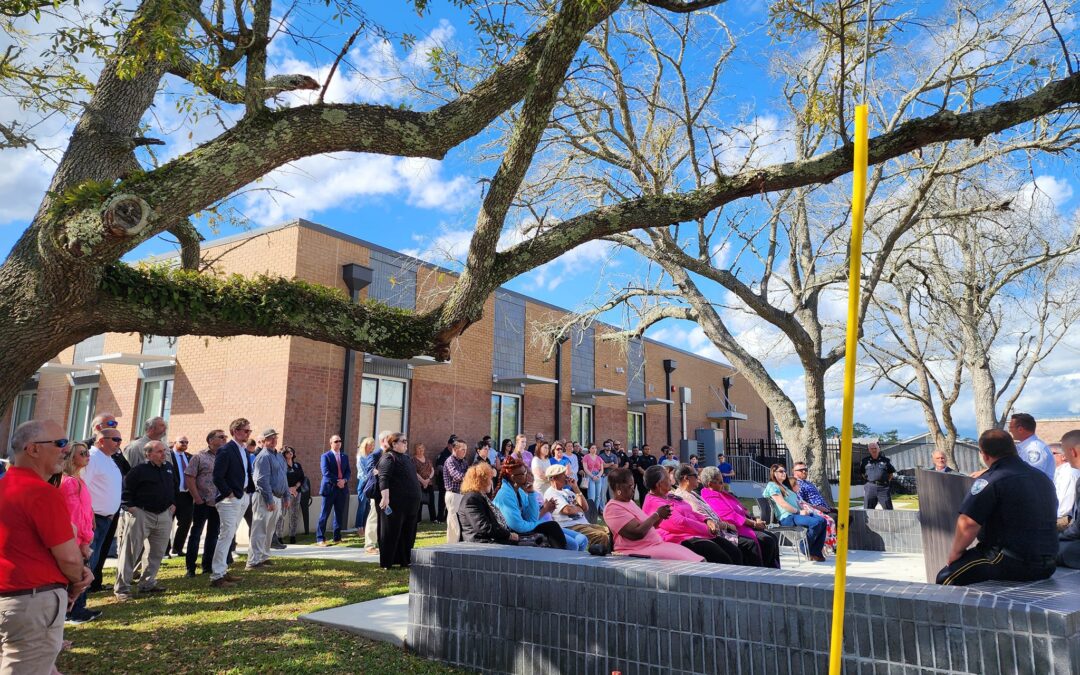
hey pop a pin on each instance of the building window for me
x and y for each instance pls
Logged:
(83, 401)
(382, 406)
(635, 429)
(505, 417)
(581, 417)
(155, 400)
(23, 409)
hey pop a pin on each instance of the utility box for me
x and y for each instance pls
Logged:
(685, 395)
(711, 442)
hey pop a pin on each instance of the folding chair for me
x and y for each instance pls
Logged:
(793, 536)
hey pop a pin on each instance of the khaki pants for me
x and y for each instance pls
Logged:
(263, 525)
(142, 526)
(453, 526)
(230, 513)
(31, 631)
(597, 534)
(371, 526)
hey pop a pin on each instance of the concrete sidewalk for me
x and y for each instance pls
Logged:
(385, 619)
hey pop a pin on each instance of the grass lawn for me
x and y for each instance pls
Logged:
(250, 628)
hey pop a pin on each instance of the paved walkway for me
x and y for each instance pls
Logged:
(384, 619)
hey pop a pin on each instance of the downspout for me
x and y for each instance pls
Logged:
(669, 368)
(356, 277)
(558, 386)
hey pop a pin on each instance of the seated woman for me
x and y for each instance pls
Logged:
(717, 494)
(788, 511)
(793, 484)
(481, 522)
(684, 526)
(635, 532)
(687, 480)
(522, 512)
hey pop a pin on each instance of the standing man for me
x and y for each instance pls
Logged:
(440, 487)
(538, 440)
(232, 479)
(180, 460)
(1011, 509)
(1029, 446)
(42, 570)
(199, 477)
(105, 483)
(646, 460)
(271, 490)
(334, 490)
(453, 471)
(148, 502)
(1069, 540)
(153, 430)
(726, 469)
(1065, 480)
(103, 420)
(877, 471)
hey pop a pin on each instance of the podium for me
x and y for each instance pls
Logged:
(940, 496)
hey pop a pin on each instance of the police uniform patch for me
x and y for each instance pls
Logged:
(978, 486)
(1033, 456)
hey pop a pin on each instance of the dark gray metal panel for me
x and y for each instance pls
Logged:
(635, 370)
(940, 495)
(582, 358)
(161, 371)
(393, 280)
(508, 359)
(91, 346)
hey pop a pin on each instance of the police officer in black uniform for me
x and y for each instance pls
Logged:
(877, 471)
(1012, 507)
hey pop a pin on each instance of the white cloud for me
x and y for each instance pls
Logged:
(1045, 191)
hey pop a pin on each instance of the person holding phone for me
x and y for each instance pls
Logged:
(635, 531)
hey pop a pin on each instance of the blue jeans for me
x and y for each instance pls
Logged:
(338, 500)
(815, 530)
(101, 528)
(598, 492)
(575, 541)
(363, 505)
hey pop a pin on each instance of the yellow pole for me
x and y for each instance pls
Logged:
(858, 208)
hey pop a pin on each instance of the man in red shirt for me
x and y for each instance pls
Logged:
(41, 568)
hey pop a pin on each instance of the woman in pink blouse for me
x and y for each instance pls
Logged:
(635, 532)
(727, 506)
(685, 526)
(594, 469)
(77, 496)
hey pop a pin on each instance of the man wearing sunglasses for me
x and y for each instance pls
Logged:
(234, 483)
(43, 570)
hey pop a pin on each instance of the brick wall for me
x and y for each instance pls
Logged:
(479, 607)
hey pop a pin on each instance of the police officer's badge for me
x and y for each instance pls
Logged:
(978, 486)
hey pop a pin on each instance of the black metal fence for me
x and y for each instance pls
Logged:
(768, 451)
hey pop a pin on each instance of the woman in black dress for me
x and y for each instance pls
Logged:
(399, 504)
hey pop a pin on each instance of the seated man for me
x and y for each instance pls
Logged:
(1069, 541)
(1012, 509)
(570, 509)
(807, 491)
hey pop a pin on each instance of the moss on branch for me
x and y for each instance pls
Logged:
(167, 301)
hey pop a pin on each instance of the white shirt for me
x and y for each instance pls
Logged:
(1065, 478)
(104, 481)
(564, 498)
(1036, 453)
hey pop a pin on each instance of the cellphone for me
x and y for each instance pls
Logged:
(388, 510)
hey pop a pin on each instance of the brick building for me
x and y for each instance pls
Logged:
(496, 382)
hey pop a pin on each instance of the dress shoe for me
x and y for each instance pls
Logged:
(231, 579)
(221, 583)
(190, 574)
(153, 589)
(277, 546)
(292, 540)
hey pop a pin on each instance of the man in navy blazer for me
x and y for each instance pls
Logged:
(232, 477)
(334, 490)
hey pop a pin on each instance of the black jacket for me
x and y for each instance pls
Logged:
(397, 473)
(149, 487)
(479, 523)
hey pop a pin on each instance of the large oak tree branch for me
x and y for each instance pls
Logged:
(661, 210)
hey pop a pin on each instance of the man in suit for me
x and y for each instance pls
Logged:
(184, 505)
(334, 490)
(232, 478)
(1069, 540)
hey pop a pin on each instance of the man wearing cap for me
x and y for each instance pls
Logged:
(334, 490)
(271, 489)
(453, 471)
(1011, 508)
(42, 571)
(570, 509)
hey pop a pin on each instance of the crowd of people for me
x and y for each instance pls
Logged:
(63, 503)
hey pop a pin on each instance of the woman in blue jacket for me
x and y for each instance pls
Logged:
(521, 510)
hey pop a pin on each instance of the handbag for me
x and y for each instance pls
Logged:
(534, 539)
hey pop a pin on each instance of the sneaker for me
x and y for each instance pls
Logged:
(321, 543)
(93, 613)
(122, 597)
(221, 583)
(78, 619)
(277, 546)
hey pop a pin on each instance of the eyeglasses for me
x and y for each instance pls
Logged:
(246, 431)
(111, 424)
(400, 440)
(182, 442)
(783, 471)
(336, 440)
(60, 442)
(114, 439)
(800, 470)
(84, 453)
(221, 437)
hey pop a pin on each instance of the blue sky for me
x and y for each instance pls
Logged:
(427, 208)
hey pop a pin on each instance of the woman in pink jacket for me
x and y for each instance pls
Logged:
(727, 506)
(685, 526)
(77, 496)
